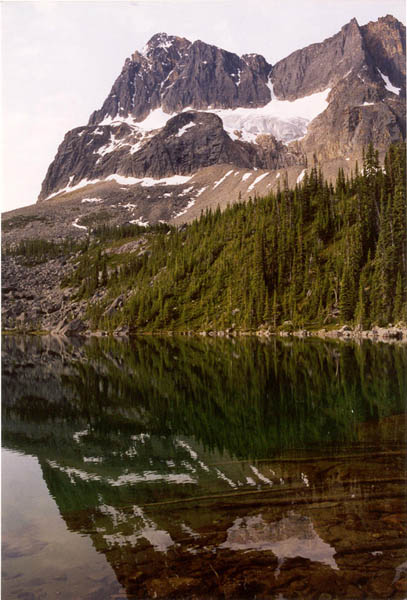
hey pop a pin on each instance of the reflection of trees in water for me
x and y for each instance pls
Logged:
(248, 398)
(244, 397)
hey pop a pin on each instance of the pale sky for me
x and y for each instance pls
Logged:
(59, 59)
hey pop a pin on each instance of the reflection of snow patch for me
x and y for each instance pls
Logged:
(289, 537)
(113, 513)
(182, 444)
(400, 570)
(203, 466)
(74, 474)
(151, 477)
(79, 434)
(189, 531)
(223, 476)
(141, 437)
(148, 530)
(188, 466)
(260, 475)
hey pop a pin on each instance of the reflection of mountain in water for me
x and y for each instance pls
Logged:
(172, 450)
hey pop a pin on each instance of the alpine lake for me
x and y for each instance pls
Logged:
(181, 467)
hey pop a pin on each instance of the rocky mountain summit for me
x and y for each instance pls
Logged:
(173, 73)
(188, 125)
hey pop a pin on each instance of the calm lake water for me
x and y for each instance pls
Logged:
(211, 468)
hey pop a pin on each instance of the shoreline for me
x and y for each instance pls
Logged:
(389, 334)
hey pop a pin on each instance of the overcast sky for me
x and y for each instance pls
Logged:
(60, 59)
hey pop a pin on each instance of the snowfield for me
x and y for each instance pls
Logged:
(286, 120)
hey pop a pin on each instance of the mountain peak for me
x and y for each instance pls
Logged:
(162, 41)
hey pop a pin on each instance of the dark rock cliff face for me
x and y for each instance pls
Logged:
(319, 66)
(385, 41)
(380, 44)
(176, 74)
(364, 67)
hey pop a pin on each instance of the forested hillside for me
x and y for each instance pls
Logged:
(314, 255)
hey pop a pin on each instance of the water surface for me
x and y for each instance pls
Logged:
(196, 468)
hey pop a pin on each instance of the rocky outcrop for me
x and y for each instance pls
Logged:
(360, 51)
(193, 140)
(320, 66)
(385, 40)
(357, 115)
(189, 141)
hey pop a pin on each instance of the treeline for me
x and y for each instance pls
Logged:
(314, 255)
(35, 251)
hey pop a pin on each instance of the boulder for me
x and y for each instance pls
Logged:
(74, 327)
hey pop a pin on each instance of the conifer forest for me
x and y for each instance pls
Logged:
(303, 257)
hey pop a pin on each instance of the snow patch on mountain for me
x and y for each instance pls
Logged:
(140, 222)
(155, 120)
(222, 179)
(256, 181)
(301, 176)
(144, 181)
(184, 210)
(75, 224)
(389, 86)
(285, 120)
(184, 129)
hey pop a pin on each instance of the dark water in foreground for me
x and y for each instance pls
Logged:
(203, 469)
